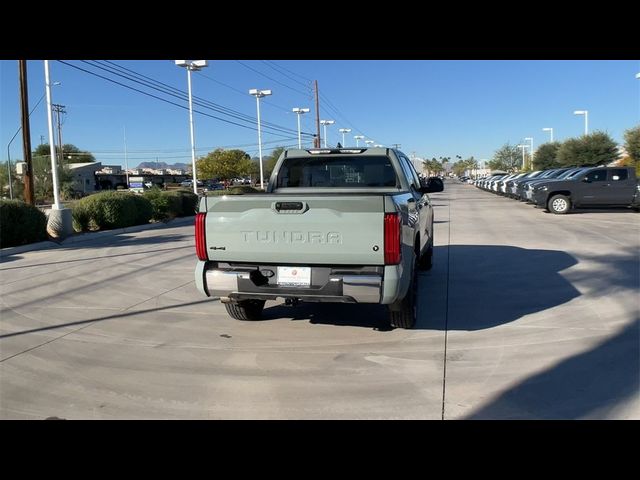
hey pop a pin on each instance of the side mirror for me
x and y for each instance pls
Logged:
(586, 180)
(431, 185)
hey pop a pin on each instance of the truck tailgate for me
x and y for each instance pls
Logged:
(314, 229)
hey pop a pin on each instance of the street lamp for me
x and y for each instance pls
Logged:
(550, 130)
(325, 123)
(523, 148)
(192, 65)
(14, 137)
(369, 143)
(300, 111)
(259, 94)
(358, 138)
(586, 119)
(531, 149)
(343, 131)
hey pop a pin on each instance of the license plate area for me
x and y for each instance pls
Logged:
(294, 276)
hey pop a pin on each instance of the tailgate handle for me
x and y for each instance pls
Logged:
(290, 207)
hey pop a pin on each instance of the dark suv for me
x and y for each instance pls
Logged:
(597, 186)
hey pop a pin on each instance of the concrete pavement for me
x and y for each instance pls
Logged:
(524, 315)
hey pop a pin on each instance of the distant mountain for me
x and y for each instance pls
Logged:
(158, 165)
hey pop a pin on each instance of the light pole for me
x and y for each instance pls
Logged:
(369, 143)
(343, 131)
(523, 148)
(14, 137)
(586, 119)
(300, 111)
(259, 94)
(550, 130)
(531, 147)
(325, 123)
(192, 65)
(60, 222)
(358, 138)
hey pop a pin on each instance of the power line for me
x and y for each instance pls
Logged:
(159, 98)
(240, 92)
(276, 68)
(290, 71)
(177, 93)
(306, 94)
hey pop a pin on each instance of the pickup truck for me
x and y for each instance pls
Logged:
(351, 225)
(596, 186)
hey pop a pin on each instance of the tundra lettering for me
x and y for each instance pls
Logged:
(290, 237)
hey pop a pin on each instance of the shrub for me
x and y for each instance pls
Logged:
(144, 209)
(81, 215)
(165, 206)
(189, 202)
(107, 210)
(21, 223)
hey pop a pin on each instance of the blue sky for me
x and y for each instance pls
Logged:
(429, 107)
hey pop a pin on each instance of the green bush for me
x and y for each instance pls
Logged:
(144, 209)
(81, 214)
(21, 223)
(165, 206)
(106, 210)
(189, 202)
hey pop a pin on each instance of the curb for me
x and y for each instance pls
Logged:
(87, 237)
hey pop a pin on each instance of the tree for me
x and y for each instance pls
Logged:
(72, 154)
(43, 180)
(588, 150)
(632, 143)
(224, 164)
(546, 156)
(506, 158)
(269, 163)
(433, 166)
(16, 182)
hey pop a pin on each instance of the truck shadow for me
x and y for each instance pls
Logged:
(595, 382)
(491, 285)
(470, 287)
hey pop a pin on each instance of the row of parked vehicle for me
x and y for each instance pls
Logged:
(561, 189)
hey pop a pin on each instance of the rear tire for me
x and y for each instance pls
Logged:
(426, 260)
(559, 204)
(405, 316)
(245, 309)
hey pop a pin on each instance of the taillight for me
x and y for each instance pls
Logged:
(201, 238)
(392, 254)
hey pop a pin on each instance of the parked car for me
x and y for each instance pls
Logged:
(595, 186)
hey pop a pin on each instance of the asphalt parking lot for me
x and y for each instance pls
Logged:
(525, 315)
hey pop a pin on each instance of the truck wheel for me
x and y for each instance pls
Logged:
(245, 309)
(559, 204)
(405, 317)
(426, 260)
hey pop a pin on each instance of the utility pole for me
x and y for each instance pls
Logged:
(41, 139)
(316, 142)
(26, 133)
(59, 109)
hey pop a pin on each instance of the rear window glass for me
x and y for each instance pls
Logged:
(337, 171)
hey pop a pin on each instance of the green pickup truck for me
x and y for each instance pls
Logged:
(351, 225)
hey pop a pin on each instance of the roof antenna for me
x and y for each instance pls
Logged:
(339, 145)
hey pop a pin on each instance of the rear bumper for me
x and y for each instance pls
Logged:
(328, 284)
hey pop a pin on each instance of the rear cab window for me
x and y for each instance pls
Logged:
(337, 171)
